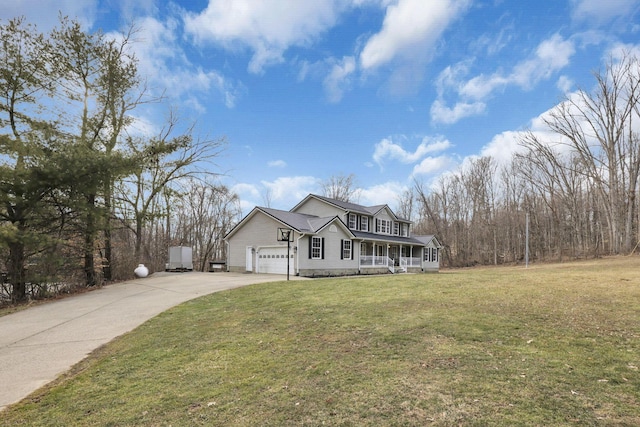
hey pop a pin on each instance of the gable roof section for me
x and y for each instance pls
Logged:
(301, 223)
(349, 207)
(426, 239)
(296, 221)
(346, 206)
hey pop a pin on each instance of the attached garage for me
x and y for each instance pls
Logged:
(274, 260)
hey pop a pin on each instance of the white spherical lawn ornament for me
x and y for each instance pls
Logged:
(141, 271)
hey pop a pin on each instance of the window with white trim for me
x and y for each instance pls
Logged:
(346, 249)
(316, 247)
(383, 226)
(353, 221)
(396, 228)
(364, 223)
(431, 254)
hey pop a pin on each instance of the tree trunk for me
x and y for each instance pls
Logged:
(16, 273)
(89, 240)
(107, 267)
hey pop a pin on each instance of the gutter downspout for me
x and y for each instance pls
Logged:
(226, 258)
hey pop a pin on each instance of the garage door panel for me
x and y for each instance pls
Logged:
(273, 261)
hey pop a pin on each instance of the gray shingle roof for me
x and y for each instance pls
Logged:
(426, 239)
(305, 223)
(386, 238)
(347, 206)
(354, 207)
(300, 222)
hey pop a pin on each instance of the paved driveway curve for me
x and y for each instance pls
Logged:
(40, 343)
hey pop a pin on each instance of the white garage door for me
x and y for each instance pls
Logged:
(274, 261)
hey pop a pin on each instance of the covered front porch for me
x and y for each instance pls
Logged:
(390, 256)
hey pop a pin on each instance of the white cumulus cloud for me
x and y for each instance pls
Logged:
(289, 190)
(503, 147)
(409, 26)
(549, 57)
(432, 165)
(387, 149)
(266, 27)
(162, 60)
(338, 79)
(382, 194)
(440, 113)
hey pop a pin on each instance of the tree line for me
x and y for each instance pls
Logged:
(572, 186)
(576, 181)
(84, 196)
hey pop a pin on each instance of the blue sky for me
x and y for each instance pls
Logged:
(391, 91)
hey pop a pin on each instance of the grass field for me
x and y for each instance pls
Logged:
(549, 345)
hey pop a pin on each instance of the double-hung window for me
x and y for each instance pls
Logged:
(364, 223)
(353, 221)
(316, 248)
(346, 249)
(383, 226)
(431, 254)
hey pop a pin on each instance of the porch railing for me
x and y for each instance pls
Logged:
(373, 261)
(383, 261)
(410, 261)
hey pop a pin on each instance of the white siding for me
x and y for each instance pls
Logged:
(320, 209)
(258, 231)
(333, 235)
(429, 264)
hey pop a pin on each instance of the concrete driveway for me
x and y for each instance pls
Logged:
(42, 342)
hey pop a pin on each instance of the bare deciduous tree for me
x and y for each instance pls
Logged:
(598, 127)
(207, 212)
(341, 187)
(167, 161)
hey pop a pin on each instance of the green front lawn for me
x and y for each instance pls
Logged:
(549, 345)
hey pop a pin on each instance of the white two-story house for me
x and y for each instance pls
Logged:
(329, 237)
